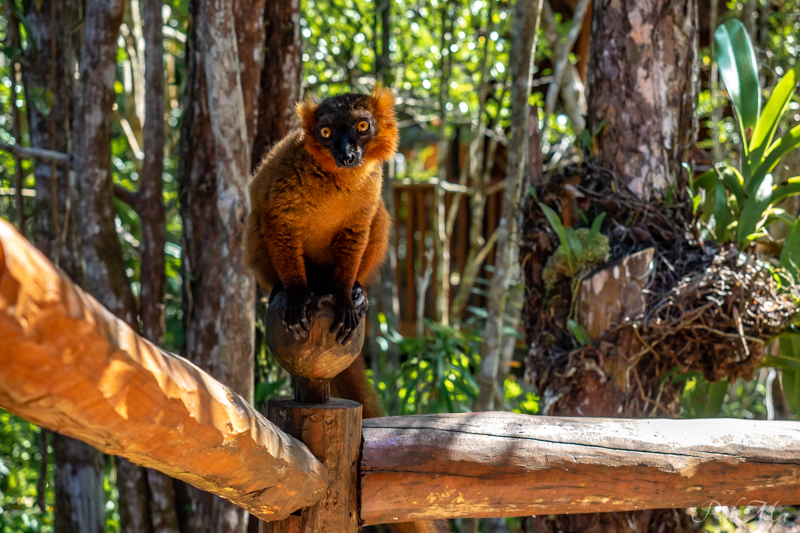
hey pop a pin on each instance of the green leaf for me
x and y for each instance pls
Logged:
(737, 64)
(42, 100)
(11, 51)
(555, 222)
(792, 188)
(27, 25)
(790, 255)
(783, 362)
(579, 332)
(722, 214)
(599, 128)
(788, 142)
(754, 210)
(789, 344)
(716, 395)
(789, 363)
(574, 242)
(670, 192)
(696, 199)
(689, 173)
(596, 226)
(735, 183)
(586, 139)
(770, 118)
(532, 191)
(685, 376)
(707, 180)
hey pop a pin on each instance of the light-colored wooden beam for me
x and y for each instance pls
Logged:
(69, 365)
(506, 464)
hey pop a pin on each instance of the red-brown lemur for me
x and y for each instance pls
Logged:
(318, 224)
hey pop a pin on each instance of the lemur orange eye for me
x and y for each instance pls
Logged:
(325, 132)
(363, 126)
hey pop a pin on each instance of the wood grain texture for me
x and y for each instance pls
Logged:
(333, 433)
(70, 366)
(506, 464)
(318, 356)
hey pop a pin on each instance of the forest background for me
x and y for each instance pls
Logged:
(143, 212)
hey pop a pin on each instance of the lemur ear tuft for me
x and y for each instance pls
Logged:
(382, 101)
(306, 110)
(381, 105)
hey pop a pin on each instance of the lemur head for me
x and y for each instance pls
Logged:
(350, 130)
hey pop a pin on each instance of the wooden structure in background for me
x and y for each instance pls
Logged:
(413, 220)
(69, 365)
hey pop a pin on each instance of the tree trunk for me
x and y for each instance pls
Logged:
(279, 87)
(12, 40)
(389, 300)
(526, 27)
(441, 293)
(643, 89)
(51, 71)
(78, 466)
(219, 290)
(281, 76)
(105, 275)
(152, 489)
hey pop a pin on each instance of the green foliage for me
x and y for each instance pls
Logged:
(438, 373)
(740, 205)
(701, 398)
(20, 464)
(789, 363)
(736, 59)
(517, 399)
(579, 249)
(579, 332)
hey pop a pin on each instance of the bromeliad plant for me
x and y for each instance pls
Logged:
(741, 203)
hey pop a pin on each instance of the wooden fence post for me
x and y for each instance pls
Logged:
(329, 427)
(332, 431)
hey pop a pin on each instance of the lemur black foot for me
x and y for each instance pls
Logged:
(295, 320)
(349, 312)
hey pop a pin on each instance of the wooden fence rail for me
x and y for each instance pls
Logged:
(69, 365)
(506, 464)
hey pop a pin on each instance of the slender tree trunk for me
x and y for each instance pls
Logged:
(478, 178)
(280, 85)
(642, 92)
(79, 468)
(442, 268)
(713, 83)
(248, 20)
(158, 494)
(105, 276)
(389, 301)
(219, 291)
(80, 502)
(13, 41)
(51, 71)
(527, 16)
(281, 76)
(569, 83)
(526, 27)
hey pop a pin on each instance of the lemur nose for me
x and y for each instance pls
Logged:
(349, 159)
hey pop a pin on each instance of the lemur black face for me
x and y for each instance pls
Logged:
(344, 127)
